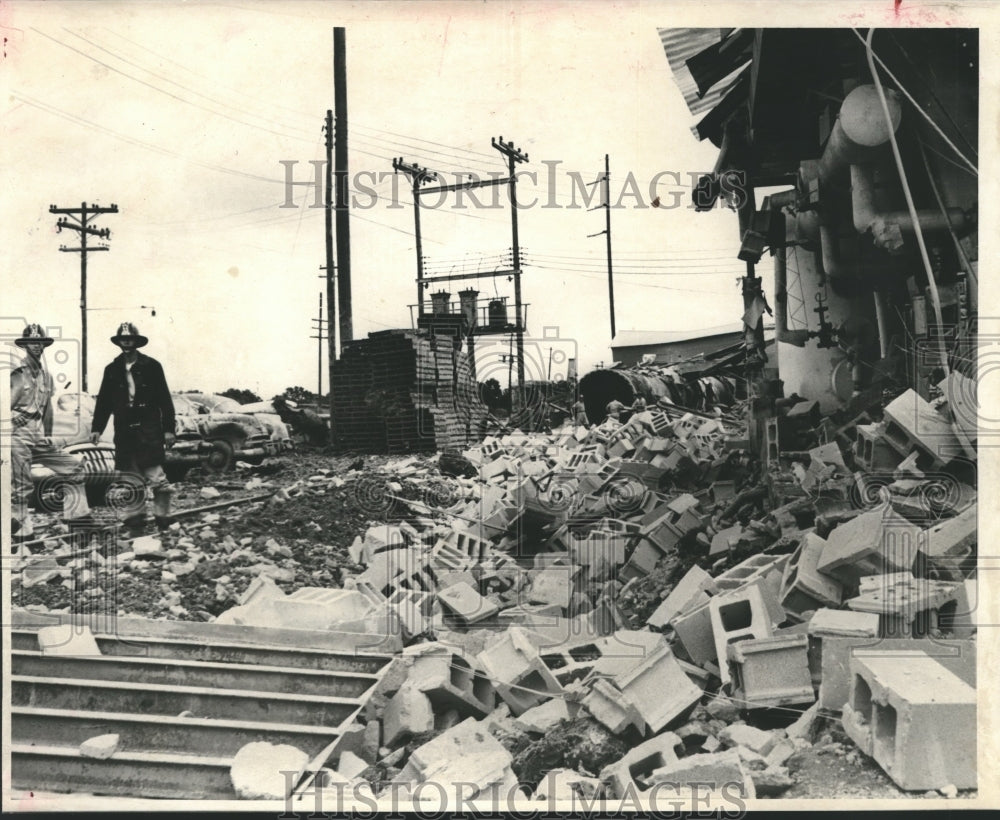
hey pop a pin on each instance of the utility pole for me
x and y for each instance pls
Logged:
(82, 217)
(331, 304)
(340, 175)
(320, 336)
(514, 156)
(607, 234)
(418, 176)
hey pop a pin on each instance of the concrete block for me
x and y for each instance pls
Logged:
(450, 680)
(911, 423)
(552, 586)
(67, 639)
(467, 603)
(907, 606)
(408, 713)
(872, 452)
(466, 753)
(771, 671)
(723, 541)
(514, 666)
(957, 656)
(828, 623)
(710, 775)
(803, 587)
(693, 589)
(660, 689)
(749, 737)
(611, 708)
(543, 717)
(100, 747)
(872, 543)
(258, 770)
(915, 718)
(737, 616)
(642, 561)
(694, 630)
(766, 571)
(622, 777)
(962, 619)
(950, 539)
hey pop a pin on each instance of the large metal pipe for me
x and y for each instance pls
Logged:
(860, 129)
(886, 226)
(781, 331)
(598, 387)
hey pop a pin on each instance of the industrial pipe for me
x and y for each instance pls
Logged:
(883, 224)
(860, 129)
(598, 387)
(781, 331)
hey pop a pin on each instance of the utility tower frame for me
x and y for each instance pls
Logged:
(82, 217)
(419, 177)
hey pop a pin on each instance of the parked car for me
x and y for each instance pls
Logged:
(263, 411)
(211, 440)
(216, 440)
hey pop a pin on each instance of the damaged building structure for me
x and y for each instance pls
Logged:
(779, 552)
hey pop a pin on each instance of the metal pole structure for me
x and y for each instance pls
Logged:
(321, 334)
(340, 162)
(607, 211)
(83, 215)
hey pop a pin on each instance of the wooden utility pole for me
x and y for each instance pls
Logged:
(607, 234)
(418, 176)
(321, 334)
(82, 217)
(514, 156)
(331, 303)
(340, 179)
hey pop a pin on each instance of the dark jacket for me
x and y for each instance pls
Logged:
(139, 428)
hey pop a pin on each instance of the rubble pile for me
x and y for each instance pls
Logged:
(605, 611)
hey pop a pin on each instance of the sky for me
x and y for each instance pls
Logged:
(188, 117)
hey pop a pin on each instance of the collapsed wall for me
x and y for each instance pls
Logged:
(401, 391)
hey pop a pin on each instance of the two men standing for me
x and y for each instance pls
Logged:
(134, 390)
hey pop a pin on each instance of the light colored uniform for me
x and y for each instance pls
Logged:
(31, 389)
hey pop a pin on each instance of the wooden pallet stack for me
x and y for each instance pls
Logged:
(401, 391)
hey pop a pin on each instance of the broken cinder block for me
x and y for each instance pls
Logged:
(768, 672)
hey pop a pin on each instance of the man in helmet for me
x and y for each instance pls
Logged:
(31, 389)
(134, 390)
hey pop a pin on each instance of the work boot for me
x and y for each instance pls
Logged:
(135, 524)
(161, 507)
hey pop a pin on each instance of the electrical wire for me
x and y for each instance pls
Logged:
(963, 257)
(872, 56)
(932, 283)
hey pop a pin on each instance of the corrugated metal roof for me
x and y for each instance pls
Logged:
(679, 44)
(634, 338)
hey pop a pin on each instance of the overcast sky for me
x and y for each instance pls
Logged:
(182, 116)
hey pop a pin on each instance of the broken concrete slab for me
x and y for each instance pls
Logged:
(408, 713)
(715, 773)
(915, 718)
(100, 747)
(907, 606)
(466, 753)
(911, 423)
(611, 708)
(264, 771)
(872, 543)
(543, 717)
(71, 640)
